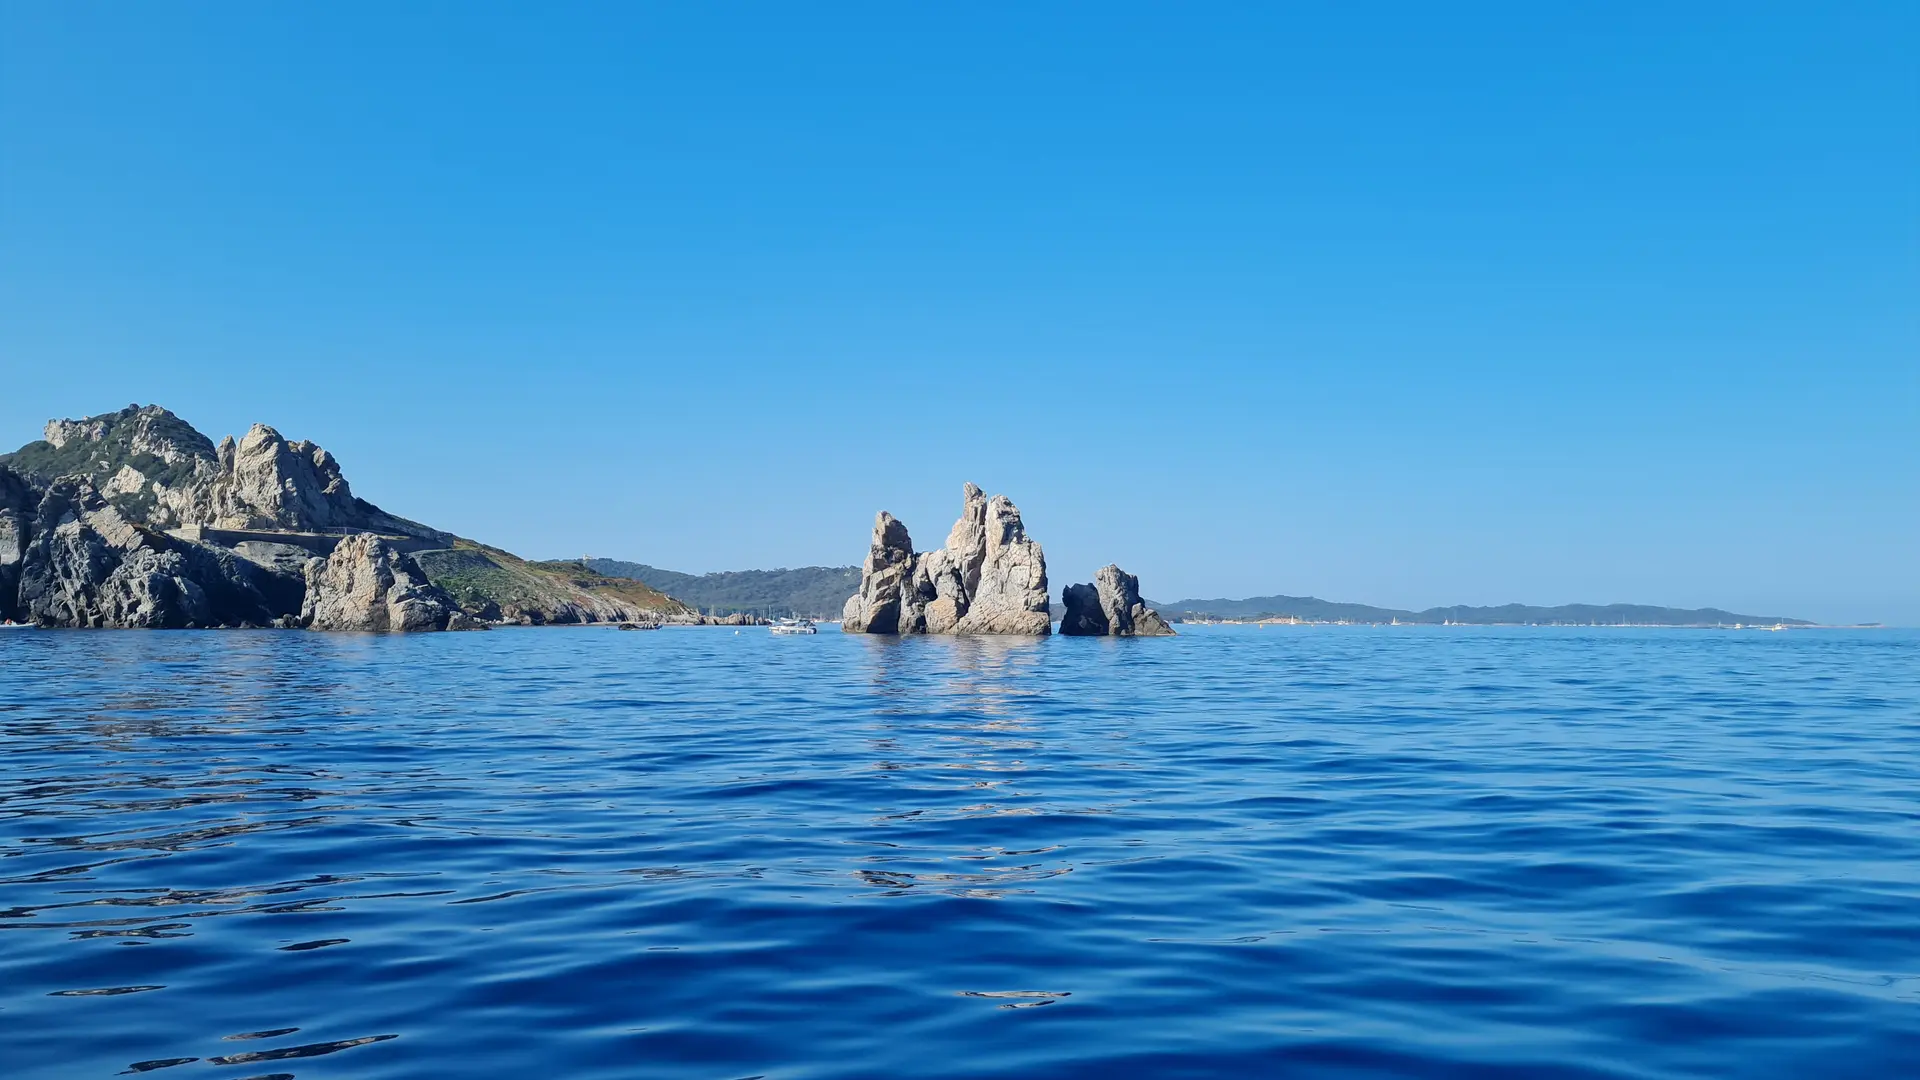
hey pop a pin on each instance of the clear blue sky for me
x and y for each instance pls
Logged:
(1397, 303)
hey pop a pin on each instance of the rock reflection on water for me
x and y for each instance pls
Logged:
(973, 711)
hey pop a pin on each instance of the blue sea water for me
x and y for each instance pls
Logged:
(1312, 852)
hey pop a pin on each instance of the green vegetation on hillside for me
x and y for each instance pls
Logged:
(812, 591)
(495, 584)
(581, 576)
(42, 462)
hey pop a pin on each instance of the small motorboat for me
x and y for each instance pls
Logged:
(794, 626)
(639, 626)
(11, 625)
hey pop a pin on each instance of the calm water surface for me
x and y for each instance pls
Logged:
(695, 853)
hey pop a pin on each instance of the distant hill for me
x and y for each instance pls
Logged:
(821, 591)
(1313, 609)
(813, 591)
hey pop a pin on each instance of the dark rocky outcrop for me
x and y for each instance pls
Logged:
(1111, 606)
(1084, 617)
(989, 578)
(87, 565)
(17, 504)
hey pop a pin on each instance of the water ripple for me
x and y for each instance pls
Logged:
(1316, 852)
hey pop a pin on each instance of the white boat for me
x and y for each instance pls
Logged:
(794, 626)
(17, 626)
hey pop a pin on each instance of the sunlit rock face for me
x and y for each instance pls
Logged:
(989, 578)
(367, 585)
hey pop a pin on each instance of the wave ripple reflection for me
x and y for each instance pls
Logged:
(1415, 852)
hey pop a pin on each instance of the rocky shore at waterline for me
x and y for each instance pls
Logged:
(1111, 606)
(136, 520)
(989, 577)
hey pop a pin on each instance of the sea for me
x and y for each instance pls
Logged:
(715, 853)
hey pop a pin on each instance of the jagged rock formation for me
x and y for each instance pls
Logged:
(164, 474)
(1110, 606)
(990, 578)
(266, 482)
(134, 518)
(367, 585)
(875, 609)
(86, 565)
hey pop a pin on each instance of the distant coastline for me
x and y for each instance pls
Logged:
(818, 591)
(1309, 609)
(136, 519)
(1794, 625)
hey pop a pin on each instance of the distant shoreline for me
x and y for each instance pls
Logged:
(1769, 627)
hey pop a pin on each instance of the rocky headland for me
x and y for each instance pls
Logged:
(135, 519)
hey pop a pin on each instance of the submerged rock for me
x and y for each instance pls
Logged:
(367, 585)
(460, 620)
(1111, 606)
(989, 578)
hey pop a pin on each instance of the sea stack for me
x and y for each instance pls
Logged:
(1110, 607)
(990, 578)
(875, 609)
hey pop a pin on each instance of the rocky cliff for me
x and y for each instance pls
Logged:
(135, 519)
(85, 564)
(17, 504)
(1111, 606)
(266, 482)
(158, 470)
(989, 578)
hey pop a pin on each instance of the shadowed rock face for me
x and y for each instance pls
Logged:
(367, 585)
(1084, 616)
(86, 565)
(1111, 606)
(989, 578)
(17, 503)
